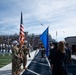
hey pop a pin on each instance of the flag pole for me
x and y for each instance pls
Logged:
(56, 35)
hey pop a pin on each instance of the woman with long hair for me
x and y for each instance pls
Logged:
(59, 67)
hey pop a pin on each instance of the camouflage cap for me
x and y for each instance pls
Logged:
(25, 41)
(15, 42)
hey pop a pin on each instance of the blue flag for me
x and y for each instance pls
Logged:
(44, 39)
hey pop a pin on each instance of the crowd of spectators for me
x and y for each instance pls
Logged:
(6, 41)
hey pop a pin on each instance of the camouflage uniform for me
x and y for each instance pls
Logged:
(15, 60)
(20, 60)
(25, 52)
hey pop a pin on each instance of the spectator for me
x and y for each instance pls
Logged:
(42, 52)
(68, 53)
(52, 53)
(58, 64)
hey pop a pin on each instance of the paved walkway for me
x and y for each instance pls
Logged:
(38, 66)
(7, 70)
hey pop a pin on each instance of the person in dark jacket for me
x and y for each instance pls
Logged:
(58, 63)
(68, 53)
(52, 53)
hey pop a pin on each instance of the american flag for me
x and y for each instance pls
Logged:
(21, 34)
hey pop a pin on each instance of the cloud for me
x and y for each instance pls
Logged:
(2, 22)
(59, 14)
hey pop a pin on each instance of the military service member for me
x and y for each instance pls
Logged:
(16, 59)
(25, 52)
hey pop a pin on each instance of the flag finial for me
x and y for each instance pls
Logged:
(21, 18)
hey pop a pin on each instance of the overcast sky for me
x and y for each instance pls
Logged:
(59, 15)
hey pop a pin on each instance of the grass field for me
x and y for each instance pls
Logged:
(4, 60)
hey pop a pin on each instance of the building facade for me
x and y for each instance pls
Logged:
(72, 42)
